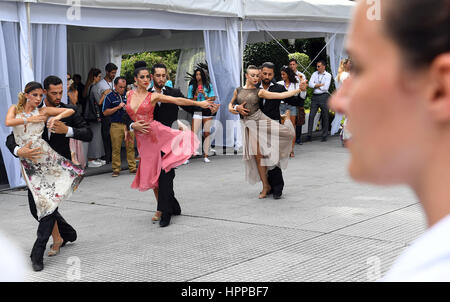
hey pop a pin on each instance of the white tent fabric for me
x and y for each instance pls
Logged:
(335, 49)
(223, 47)
(189, 58)
(50, 52)
(10, 86)
(44, 47)
(221, 8)
(126, 18)
(248, 9)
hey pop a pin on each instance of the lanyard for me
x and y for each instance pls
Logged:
(320, 80)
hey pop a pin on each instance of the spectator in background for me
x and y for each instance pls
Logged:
(76, 146)
(300, 120)
(293, 65)
(72, 94)
(200, 89)
(343, 74)
(80, 88)
(114, 108)
(93, 150)
(102, 89)
(320, 81)
(291, 82)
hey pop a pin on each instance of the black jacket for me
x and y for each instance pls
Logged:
(59, 142)
(166, 113)
(272, 107)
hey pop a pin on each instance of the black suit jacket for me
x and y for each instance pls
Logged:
(272, 107)
(59, 142)
(166, 113)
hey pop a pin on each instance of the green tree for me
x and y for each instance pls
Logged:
(258, 53)
(169, 58)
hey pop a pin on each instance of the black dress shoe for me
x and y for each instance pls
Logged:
(309, 138)
(324, 139)
(165, 220)
(37, 266)
(276, 196)
(177, 212)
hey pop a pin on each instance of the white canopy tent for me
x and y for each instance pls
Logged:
(43, 37)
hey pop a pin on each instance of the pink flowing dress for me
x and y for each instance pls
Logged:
(178, 146)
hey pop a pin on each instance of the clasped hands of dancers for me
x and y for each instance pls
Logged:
(51, 177)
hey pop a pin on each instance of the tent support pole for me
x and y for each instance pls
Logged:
(242, 56)
(30, 49)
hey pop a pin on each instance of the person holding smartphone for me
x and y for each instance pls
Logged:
(200, 89)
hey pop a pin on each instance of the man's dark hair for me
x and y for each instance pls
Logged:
(51, 80)
(158, 65)
(110, 67)
(116, 80)
(322, 62)
(293, 60)
(269, 65)
(420, 28)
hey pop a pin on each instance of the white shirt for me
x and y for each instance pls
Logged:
(320, 78)
(300, 76)
(344, 76)
(162, 90)
(294, 86)
(261, 86)
(427, 259)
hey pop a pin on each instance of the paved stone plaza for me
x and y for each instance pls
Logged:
(325, 228)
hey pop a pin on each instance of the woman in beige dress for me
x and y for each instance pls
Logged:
(266, 142)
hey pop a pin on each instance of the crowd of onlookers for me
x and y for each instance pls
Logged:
(101, 101)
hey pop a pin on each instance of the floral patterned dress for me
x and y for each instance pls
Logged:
(51, 178)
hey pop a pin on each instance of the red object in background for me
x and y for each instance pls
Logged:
(200, 87)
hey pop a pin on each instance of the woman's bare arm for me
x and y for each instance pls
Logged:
(12, 121)
(264, 94)
(156, 97)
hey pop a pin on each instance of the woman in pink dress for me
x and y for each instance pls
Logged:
(178, 146)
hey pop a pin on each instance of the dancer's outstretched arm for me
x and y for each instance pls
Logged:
(57, 113)
(11, 120)
(156, 97)
(264, 94)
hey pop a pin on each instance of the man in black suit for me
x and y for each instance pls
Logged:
(271, 108)
(167, 114)
(58, 138)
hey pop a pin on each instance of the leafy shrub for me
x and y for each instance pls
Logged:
(169, 58)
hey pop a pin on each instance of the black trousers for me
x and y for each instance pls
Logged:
(167, 203)
(275, 177)
(298, 133)
(45, 229)
(106, 138)
(319, 101)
